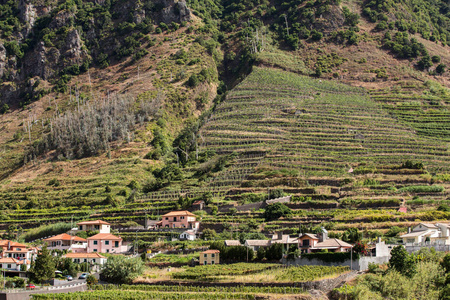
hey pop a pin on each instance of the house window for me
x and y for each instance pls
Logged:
(174, 219)
(9, 266)
(107, 250)
(205, 262)
(116, 244)
(212, 255)
(410, 241)
(85, 260)
(93, 260)
(182, 218)
(106, 242)
(80, 227)
(18, 249)
(95, 242)
(212, 262)
(97, 227)
(205, 255)
(95, 250)
(167, 218)
(305, 243)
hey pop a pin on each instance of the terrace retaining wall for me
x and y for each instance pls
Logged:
(360, 264)
(325, 285)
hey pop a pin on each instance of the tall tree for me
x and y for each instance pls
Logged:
(44, 266)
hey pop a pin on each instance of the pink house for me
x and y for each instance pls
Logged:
(65, 241)
(179, 219)
(104, 243)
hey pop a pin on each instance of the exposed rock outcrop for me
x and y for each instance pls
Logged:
(2, 60)
(175, 11)
(73, 47)
(28, 15)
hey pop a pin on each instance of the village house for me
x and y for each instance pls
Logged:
(307, 241)
(209, 257)
(9, 264)
(97, 225)
(179, 219)
(67, 242)
(104, 243)
(10, 249)
(332, 245)
(188, 235)
(229, 243)
(93, 259)
(428, 234)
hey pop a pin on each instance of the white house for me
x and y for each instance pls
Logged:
(97, 225)
(428, 234)
(188, 235)
(91, 258)
(14, 265)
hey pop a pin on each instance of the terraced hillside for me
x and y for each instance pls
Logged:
(317, 127)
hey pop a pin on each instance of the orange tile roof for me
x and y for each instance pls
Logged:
(65, 237)
(4, 243)
(96, 222)
(23, 262)
(179, 213)
(16, 250)
(210, 251)
(8, 260)
(104, 236)
(83, 255)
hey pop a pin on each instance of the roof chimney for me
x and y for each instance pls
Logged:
(409, 229)
(280, 235)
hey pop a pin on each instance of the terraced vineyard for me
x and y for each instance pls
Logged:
(289, 132)
(331, 146)
(316, 127)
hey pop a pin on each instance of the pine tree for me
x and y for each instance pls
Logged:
(44, 266)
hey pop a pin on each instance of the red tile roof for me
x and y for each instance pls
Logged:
(65, 237)
(96, 222)
(179, 213)
(104, 236)
(210, 251)
(83, 255)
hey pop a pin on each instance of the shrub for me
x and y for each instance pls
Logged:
(121, 269)
(276, 211)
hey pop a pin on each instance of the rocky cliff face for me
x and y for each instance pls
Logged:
(175, 11)
(58, 37)
(28, 16)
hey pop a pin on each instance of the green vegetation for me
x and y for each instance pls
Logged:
(424, 276)
(121, 269)
(255, 271)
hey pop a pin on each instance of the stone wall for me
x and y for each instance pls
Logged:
(26, 295)
(361, 264)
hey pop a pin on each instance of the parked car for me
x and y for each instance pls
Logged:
(68, 277)
(83, 276)
(30, 286)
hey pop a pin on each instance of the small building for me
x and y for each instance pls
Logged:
(104, 243)
(188, 235)
(179, 219)
(67, 242)
(17, 250)
(229, 243)
(332, 245)
(198, 205)
(10, 264)
(94, 259)
(210, 257)
(307, 241)
(428, 234)
(97, 225)
(256, 244)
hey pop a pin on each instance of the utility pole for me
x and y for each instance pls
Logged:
(287, 27)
